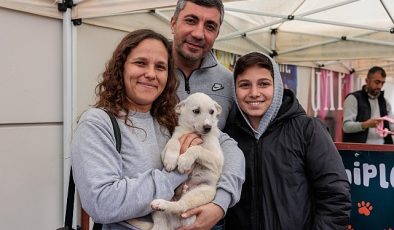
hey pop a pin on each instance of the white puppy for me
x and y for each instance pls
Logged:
(197, 114)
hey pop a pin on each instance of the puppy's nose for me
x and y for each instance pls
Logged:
(207, 128)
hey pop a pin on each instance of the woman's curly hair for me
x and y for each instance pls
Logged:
(111, 91)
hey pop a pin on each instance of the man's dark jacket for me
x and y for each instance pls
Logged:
(295, 178)
(364, 113)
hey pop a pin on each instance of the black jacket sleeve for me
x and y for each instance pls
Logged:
(325, 170)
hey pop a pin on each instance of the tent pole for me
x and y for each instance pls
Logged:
(67, 99)
(242, 32)
(73, 105)
(273, 40)
(341, 24)
(161, 16)
(370, 41)
(269, 51)
(387, 11)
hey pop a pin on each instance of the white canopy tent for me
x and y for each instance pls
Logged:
(349, 35)
(343, 35)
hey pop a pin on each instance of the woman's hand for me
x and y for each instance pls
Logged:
(207, 216)
(188, 140)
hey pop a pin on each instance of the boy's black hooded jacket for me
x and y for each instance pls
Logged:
(295, 178)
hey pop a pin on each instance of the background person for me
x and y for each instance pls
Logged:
(362, 108)
(195, 26)
(295, 177)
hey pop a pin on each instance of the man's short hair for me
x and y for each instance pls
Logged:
(180, 5)
(374, 70)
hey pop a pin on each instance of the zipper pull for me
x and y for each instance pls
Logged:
(187, 87)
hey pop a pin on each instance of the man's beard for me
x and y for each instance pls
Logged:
(373, 92)
(188, 56)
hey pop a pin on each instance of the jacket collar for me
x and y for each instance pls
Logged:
(209, 61)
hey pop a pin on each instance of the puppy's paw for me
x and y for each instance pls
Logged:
(159, 205)
(170, 161)
(185, 163)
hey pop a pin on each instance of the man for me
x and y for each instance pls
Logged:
(363, 108)
(195, 26)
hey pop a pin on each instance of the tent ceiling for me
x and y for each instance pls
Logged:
(338, 34)
(342, 35)
(47, 8)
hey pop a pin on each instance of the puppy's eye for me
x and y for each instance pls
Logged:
(196, 111)
(211, 111)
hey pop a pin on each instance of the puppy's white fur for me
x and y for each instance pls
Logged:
(198, 113)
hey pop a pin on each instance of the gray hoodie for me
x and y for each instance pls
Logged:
(116, 187)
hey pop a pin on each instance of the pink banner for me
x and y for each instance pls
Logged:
(327, 93)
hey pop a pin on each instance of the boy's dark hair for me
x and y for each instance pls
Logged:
(252, 59)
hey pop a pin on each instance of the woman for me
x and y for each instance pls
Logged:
(139, 88)
(295, 178)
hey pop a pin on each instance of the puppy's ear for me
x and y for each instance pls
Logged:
(218, 108)
(179, 107)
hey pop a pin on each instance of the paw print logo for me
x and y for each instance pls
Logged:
(364, 208)
(349, 227)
